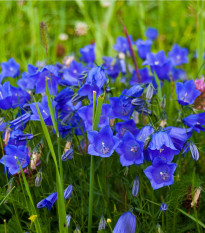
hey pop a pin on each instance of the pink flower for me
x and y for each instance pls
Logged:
(200, 84)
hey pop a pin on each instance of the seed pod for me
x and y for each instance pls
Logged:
(135, 187)
(68, 155)
(38, 179)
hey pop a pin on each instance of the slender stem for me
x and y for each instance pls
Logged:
(131, 51)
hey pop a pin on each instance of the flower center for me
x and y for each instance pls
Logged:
(164, 175)
(134, 149)
(104, 149)
(156, 63)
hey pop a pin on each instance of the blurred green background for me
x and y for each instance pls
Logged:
(20, 34)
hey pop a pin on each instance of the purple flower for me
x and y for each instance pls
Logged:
(102, 143)
(186, 92)
(126, 223)
(160, 173)
(162, 146)
(111, 68)
(86, 114)
(195, 121)
(160, 64)
(47, 74)
(15, 155)
(17, 137)
(20, 122)
(44, 109)
(88, 53)
(178, 55)
(63, 97)
(122, 127)
(178, 74)
(122, 44)
(151, 33)
(130, 150)
(68, 191)
(5, 96)
(48, 202)
(10, 69)
(144, 75)
(143, 48)
(163, 207)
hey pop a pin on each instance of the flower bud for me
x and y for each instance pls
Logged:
(68, 191)
(194, 151)
(150, 91)
(102, 223)
(38, 179)
(163, 102)
(135, 187)
(68, 155)
(68, 218)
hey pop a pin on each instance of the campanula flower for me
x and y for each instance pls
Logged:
(179, 136)
(5, 96)
(135, 187)
(28, 80)
(68, 218)
(126, 223)
(68, 155)
(160, 173)
(144, 75)
(122, 127)
(143, 48)
(111, 67)
(186, 92)
(163, 207)
(178, 55)
(194, 151)
(130, 150)
(122, 44)
(17, 137)
(159, 64)
(20, 122)
(68, 191)
(162, 146)
(47, 74)
(86, 114)
(102, 143)
(63, 97)
(19, 97)
(178, 74)
(44, 109)
(195, 121)
(88, 54)
(13, 157)
(151, 33)
(10, 69)
(48, 202)
(73, 75)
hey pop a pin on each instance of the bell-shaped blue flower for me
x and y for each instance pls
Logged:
(102, 143)
(159, 64)
(86, 114)
(178, 55)
(162, 146)
(144, 75)
(10, 69)
(122, 127)
(111, 67)
(151, 33)
(186, 92)
(20, 122)
(122, 44)
(68, 155)
(126, 223)
(48, 202)
(143, 48)
(178, 74)
(160, 173)
(164, 207)
(195, 121)
(88, 53)
(130, 150)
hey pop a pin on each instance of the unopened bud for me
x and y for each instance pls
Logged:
(38, 179)
(150, 91)
(135, 187)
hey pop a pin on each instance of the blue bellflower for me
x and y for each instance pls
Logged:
(195, 121)
(126, 223)
(44, 109)
(111, 67)
(130, 150)
(178, 55)
(9, 69)
(144, 75)
(102, 143)
(122, 127)
(143, 48)
(178, 74)
(20, 122)
(162, 146)
(122, 44)
(86, 114)
(160, 173)
(186, 92)
(151, 33)
(160, 64)
(48, 202)
(88, 54)
(164, 207)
